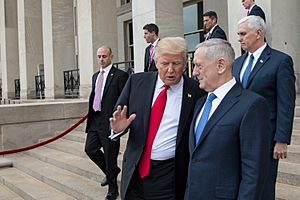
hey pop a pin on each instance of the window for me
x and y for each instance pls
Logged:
(193, 25)
(123, 2)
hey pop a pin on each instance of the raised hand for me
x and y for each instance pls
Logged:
(119, 121)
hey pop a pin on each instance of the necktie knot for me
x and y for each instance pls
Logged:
(211, 97)
(248, 13)
(166, 87)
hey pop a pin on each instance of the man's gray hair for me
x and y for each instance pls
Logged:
(254, 22)
(216, 48)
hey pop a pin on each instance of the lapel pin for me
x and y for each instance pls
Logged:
(261, 61)
(189, 95)
(111, 74)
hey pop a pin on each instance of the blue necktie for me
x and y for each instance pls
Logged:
(204, 116)
(247, 71)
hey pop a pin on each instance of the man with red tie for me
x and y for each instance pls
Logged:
(253, 9)
(107, 85)
(151, 36)
(157, 108)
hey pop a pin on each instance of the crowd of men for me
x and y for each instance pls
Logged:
(219, 137)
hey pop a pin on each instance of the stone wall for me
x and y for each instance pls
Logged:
(25, 124)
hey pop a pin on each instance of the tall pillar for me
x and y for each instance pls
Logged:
(9, 59)
(167, 14)
(97, 25)
(30, 45)
(59, 44)
(287, 29)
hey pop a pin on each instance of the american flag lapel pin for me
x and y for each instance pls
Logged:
(189, 95)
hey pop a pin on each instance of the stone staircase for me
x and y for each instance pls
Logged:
(62, 171)
(58, 171)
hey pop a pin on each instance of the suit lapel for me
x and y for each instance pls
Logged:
(147, 97)
(109, 78)
(198, 107)
(264, 57)
(186, 109)
(238, 67)
(226, 104)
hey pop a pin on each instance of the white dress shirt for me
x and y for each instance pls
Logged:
(164, 144)
(220, 92)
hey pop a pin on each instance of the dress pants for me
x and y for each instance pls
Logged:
(106, 160)
(158, 185)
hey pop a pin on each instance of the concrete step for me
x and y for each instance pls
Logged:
(76, 136)
(81, 166)
(287, 192)
(296, 137)
(68, 146)
(289, 173)
(6, 193)
(28, 187)
(293, 154)
(296, 125)
(68, 182)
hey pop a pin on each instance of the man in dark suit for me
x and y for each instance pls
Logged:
(211, 27)
(151, 36)
(269, 73)
(107, 85)
(253, 9)
(167, 171)
(229, 134)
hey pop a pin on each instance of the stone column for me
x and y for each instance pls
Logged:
(97, 25)
(9, 59)
(167, 14)
(30, 45)
(59, 44)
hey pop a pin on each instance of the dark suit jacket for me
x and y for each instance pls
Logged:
(147, 60)
(137, 95)
(218, 33)
(115, 82)
(273, 78)
(230, 160)
(257, 11)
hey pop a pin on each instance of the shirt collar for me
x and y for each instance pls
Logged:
(212, 29)
(258, 51)
(106, 69)
(221, 91)
(160, 84)
(155, 43)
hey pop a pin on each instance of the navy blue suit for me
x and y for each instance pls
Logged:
(229, 161)
(218, 33)
(257, 11)
(148, 67)
(273, 78)
(137, 95)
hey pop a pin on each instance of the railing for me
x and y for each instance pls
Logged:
(47, 141)
(71, 83)
(17, 88)
(40, 87)
(190, 64)
(127, 66)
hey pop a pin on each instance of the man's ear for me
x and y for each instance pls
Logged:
(221, 65)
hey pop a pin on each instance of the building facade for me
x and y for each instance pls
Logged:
(46, 44)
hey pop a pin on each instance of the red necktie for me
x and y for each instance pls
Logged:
(157, 112)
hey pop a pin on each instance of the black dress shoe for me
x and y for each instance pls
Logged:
(112, 195)
(104, 182)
